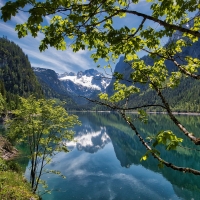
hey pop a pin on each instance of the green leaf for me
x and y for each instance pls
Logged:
(144, 157)
(160, 165)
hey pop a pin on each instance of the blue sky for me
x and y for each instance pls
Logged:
(64, 61)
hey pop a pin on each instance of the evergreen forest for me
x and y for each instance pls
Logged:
(16, 75)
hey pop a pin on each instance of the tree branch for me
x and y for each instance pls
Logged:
(162, 23)
(118, 108)
(174, 119)
(182, 169)
(195, 76)
(140, 27)
(179, 66)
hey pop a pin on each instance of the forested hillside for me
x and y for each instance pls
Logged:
(52, 87)
(184, 98)
(16, 75)
(18, 78)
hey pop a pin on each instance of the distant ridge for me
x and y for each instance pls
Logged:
(86, 83)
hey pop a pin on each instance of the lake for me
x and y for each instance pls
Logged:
(104, 162)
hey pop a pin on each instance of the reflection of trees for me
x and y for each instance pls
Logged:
(129, 151)
(23, 159)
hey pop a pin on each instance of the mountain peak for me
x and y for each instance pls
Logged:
(87, 80)
(86, 83)
(91, 72)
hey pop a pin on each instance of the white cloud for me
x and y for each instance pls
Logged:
(60, 61)
(75, 165)
(76, 169)
(20, 18)
(1, 3)
(7, 29)
(48, 19)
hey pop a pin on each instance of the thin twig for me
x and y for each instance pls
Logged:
(118, 108)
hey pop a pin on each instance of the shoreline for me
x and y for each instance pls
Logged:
(135, 112)
(7, 151)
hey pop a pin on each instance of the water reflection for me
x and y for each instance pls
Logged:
(88, 140)
(104, 163)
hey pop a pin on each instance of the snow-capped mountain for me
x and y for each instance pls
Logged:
(87, 83)
(90, 78)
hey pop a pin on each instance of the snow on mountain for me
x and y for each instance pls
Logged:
(90, 79)
(105, 84)
(88, 83)
(85, 81)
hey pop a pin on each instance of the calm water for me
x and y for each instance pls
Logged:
(104, 163)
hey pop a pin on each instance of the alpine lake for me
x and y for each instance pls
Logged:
(104, 162)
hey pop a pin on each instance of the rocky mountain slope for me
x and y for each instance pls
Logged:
(84, 83)
(87, 83)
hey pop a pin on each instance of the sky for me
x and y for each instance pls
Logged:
(64, 61)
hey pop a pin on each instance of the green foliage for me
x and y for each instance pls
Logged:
(44, 126)
(3, 166)
(86, 15)
(122, 92)
(14, 186)
(9, 165)
(146, 155)
(13, 166)
(16, 75)
(2, 103)
(12, 183)
(167, 138)
(143, 116)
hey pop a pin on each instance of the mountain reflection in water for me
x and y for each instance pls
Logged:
(88, 140)
(104, 162)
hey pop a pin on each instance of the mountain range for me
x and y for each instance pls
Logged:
(17, 78)
(90, 83)
(86, 83)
